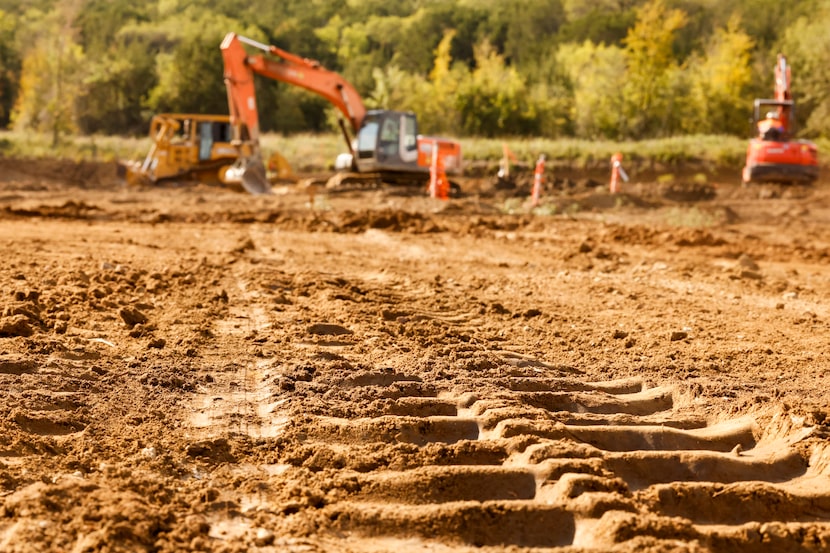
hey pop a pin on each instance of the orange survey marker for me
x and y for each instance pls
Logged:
(439, 186)
(538, 180)
(504, 163)
(617, 172)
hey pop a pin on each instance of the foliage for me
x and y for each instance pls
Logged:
(596, 74)
(808, 46)
(647, 92)
(596, 69)
(10, 66)
(720, 78)
(51, 74)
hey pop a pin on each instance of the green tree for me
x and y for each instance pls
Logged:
(596, 74)
(190, 69)
(121, 67)
(52, 72)
(9, 66)
(719, 83)
(492, 101)
(431, 98)
(807, 46)
(526, 29)
(651, 69)
(597, 21)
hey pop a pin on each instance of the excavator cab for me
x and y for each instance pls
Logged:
(387, 141)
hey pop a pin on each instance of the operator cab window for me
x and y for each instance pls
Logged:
(389, 135)
(205, 140)
(410, 130)
(367, 139)
(222, 132)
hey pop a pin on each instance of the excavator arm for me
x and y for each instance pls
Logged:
(782, 90)
(285, 67)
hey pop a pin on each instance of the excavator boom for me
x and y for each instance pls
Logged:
(286, 67)
(782, 91)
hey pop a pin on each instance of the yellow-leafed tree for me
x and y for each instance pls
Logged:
(652, 71)
(720, 81)
(52, 74)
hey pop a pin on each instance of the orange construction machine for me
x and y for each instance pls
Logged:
(383, 144)
(773, 156)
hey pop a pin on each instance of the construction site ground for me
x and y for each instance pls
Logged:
(189, 368)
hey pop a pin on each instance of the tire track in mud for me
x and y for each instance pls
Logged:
(238, 401)
(490, 449)
(594, 465)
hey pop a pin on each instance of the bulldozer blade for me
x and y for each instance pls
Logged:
(254, 178)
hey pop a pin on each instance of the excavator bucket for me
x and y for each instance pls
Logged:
(249, 172)
(254, 177)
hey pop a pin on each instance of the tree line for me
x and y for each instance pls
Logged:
(610, 69)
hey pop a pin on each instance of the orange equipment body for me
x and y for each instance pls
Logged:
(439, 186)
(385, 142)
(538, 181)
(771, 155)
(617, 173)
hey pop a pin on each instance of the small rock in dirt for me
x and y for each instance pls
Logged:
(327, 329)
(264, 537)
(790, 296)
(158, 343)
(132, 316)
(620, 334)
(748, 263)
(244, 246)
(679, 335)
(500, 309)
(28, 310)
(751, 275)
(530, 313)
(389, 315)
(218, 450)
(16, 325)
(281, 300)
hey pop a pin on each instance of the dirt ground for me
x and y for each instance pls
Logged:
(187, 368)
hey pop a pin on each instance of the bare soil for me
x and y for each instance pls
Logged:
(187, 368)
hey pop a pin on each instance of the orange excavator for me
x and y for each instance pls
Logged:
(383, 144)
(773, 156)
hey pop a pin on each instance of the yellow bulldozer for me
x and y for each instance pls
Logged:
(202, 148)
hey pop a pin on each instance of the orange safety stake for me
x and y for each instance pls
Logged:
(504, 163)
(538, 180)
(439, 186)
(617, 172)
